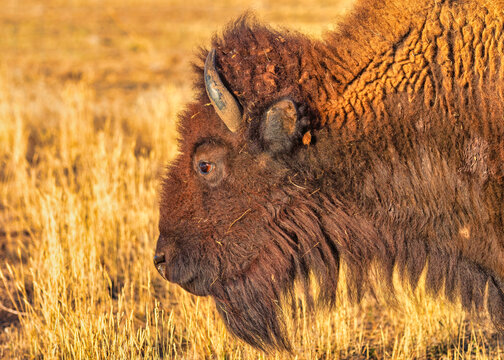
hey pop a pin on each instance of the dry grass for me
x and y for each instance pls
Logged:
(89, 92)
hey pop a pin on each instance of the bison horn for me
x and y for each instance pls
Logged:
(223, 101)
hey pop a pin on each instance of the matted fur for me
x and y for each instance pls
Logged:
(404, 104)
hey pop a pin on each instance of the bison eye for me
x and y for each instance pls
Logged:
(205, 167)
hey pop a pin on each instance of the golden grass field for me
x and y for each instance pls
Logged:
(89, 92)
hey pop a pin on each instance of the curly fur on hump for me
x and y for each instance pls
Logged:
(405, 107)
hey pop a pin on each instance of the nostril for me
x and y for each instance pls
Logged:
(159, 258)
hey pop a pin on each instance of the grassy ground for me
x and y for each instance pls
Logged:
(89, 92)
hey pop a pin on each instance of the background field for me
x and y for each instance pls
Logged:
(89, 92)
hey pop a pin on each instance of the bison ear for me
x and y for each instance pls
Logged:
(280, 128)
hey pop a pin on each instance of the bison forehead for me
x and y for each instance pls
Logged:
(199, 121)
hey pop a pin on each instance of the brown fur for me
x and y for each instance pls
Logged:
(404, 109)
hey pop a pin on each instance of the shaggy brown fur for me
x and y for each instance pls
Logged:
(402, 109)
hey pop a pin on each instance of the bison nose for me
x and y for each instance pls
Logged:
(159, 258)
(160, 264)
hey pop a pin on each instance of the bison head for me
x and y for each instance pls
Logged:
(237, 220)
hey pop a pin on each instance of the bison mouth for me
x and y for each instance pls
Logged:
(179, 272)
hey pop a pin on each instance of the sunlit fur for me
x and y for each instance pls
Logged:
(404, 169)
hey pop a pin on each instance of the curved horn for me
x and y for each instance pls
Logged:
(223, 101)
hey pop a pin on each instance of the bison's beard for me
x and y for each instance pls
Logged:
(249, 301)
(297, 246)
(249, 307)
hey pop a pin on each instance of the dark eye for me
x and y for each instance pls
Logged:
(205, 167)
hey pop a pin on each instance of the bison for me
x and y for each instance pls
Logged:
(381, 144)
